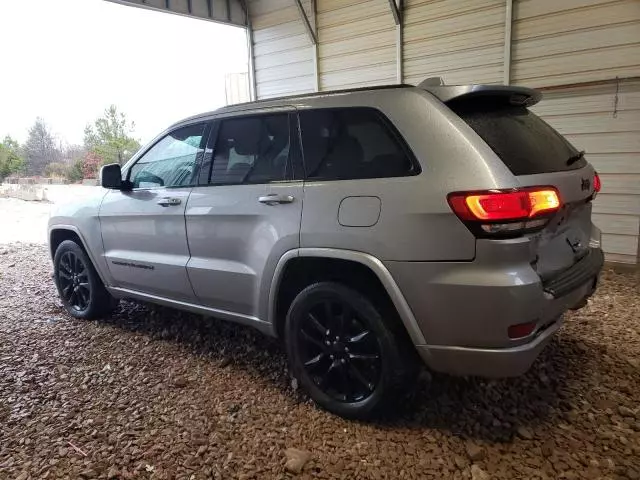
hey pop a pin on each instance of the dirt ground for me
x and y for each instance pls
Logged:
(154, 393)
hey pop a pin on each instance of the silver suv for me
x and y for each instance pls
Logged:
(366, 229)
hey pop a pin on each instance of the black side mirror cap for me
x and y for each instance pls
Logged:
(111, 176)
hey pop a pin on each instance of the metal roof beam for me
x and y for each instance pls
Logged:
(396, 10)
(307, 24)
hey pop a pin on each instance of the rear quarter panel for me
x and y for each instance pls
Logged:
(416, 222)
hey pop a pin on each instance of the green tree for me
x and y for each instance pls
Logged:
(10, 159)
(40, 149)
(74, 173)
(110, 137)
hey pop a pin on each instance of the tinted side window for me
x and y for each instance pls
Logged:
(349, 143)
(171, 162)
(252, 150)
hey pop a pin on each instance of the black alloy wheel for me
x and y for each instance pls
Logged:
(340, 352)
(352, 357)
(73, 279)
(82, 292)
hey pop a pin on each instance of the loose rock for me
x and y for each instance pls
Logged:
(547, 448)
(296, 459)
(474, 451)
(478, 474)
(626, 411)
(524, 432)
(112, 473)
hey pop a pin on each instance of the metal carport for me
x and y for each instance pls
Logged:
(585, 55)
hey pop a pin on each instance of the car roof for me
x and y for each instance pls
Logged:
(435, 86)
(286, 100)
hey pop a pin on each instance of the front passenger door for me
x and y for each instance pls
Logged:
(143, 229)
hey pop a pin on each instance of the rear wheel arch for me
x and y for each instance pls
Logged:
(359, 271)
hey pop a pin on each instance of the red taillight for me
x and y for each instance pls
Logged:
(597, 185)
(501, 205)
(490, 206)
(506, 212)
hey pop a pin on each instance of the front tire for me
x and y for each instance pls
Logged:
(82, 293)
(343, 353)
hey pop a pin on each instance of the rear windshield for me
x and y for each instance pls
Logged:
(525, 143)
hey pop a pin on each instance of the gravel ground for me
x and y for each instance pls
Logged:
(23, 221)
(154, 393)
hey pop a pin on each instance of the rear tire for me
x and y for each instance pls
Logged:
(81, 291)
(350, 359)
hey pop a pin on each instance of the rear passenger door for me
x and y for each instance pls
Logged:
(245, 212)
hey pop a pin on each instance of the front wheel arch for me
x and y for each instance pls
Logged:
(59, 235)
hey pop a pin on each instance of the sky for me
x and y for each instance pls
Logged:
(68, 60)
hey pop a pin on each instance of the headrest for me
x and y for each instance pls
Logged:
(246, 136)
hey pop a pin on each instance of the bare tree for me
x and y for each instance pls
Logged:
(70, 153)
(40, 148)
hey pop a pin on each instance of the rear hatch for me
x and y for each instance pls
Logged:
(539, 157)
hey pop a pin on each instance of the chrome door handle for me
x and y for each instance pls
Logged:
(169, 202)
(274, 199)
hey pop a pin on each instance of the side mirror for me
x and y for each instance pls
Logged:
(111, 176)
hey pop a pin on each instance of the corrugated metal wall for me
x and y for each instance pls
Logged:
(556, 44)
(604, 121)
(237, 89)
(560, 43)
(459, 40)
(283, 54)
(356, 43)
(574, 41)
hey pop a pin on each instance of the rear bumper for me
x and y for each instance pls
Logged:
(585, 270)
(487, 362)
(502, 362)
(464, 310)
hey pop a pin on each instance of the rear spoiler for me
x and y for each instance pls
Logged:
(446, 93)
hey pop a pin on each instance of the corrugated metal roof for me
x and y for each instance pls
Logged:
(230, 13)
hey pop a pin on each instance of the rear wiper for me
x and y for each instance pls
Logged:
(574, 158)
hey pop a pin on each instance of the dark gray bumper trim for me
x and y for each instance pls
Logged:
(577, 275)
